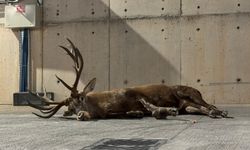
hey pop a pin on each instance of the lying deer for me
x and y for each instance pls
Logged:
(156, 100)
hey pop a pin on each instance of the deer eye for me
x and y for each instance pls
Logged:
(81, 98)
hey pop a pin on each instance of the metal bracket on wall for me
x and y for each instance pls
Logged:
(20, 98)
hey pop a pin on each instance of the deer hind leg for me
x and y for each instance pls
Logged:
(159, 112)
(83, 116)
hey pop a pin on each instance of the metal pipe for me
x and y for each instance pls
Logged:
(24, 57)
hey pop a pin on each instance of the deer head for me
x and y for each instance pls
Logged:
(184, 92)
(76, 101)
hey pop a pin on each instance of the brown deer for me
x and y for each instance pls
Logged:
(156, 100)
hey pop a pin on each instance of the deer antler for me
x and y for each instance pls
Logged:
(78, 66)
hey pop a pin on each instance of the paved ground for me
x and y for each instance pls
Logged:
(22, 130)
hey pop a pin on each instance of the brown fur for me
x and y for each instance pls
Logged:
(117, 103)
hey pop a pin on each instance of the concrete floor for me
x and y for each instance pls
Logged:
(21, 130)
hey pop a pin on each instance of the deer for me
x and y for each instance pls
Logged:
(156, 100)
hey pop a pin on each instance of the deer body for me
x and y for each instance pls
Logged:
(118, 103)
(157, 100)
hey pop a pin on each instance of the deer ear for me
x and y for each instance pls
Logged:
(90, 86)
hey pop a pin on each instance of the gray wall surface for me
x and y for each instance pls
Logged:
(199, 43)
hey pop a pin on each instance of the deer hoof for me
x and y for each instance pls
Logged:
(224, 113)
(83, 115)
(214, 114)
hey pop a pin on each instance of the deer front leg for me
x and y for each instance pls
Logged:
(159, 112)
(83, 116)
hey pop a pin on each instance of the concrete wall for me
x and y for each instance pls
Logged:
(215, 49)
(203, 44)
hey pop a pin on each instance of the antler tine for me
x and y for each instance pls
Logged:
(55, 109)
(78, 69)
(38, 107)
(45, 98)
(64, 83)
(78, 62)
(68, 52)
(72, 54)
(44, 110)
(72, 57)
(75, 49)
(48, 111)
